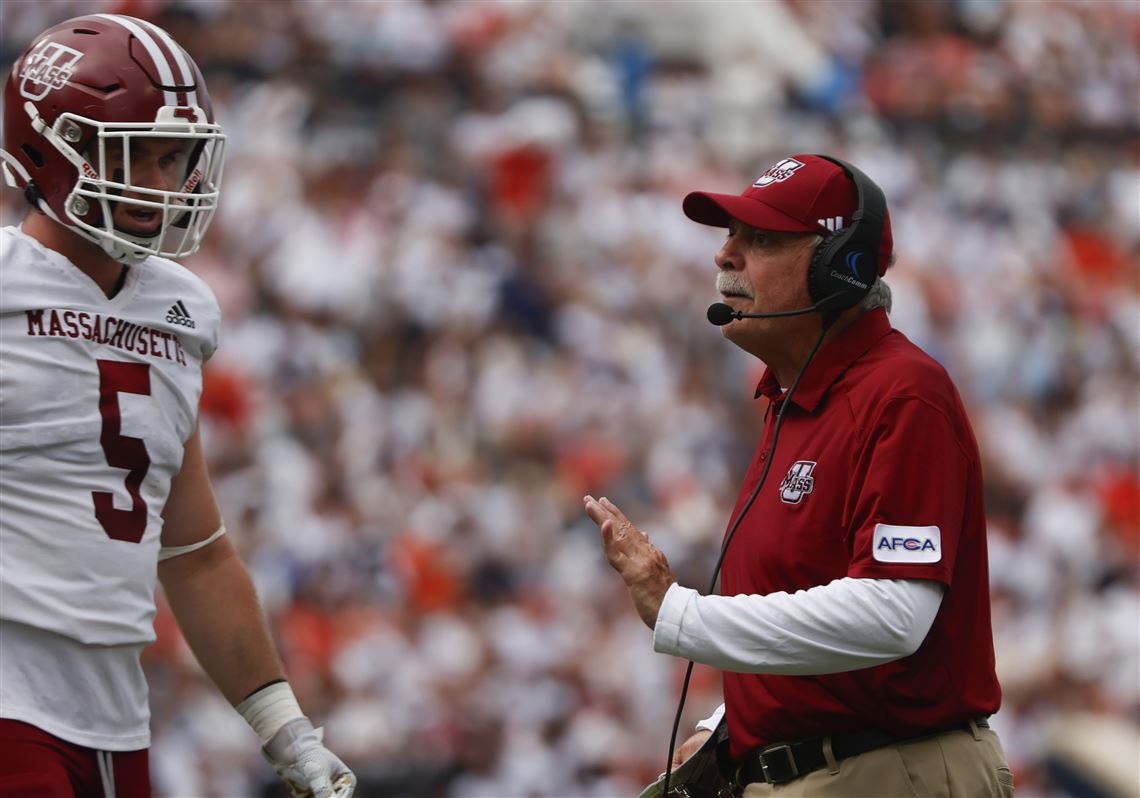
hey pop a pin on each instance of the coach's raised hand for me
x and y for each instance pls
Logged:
(642, 566)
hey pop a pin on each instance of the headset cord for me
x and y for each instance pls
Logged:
(787, 400)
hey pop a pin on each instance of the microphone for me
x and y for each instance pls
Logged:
(721, 314)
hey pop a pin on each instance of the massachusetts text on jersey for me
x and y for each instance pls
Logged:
(108, 330)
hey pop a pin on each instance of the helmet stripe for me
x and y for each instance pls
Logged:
(165, 74)
(179, 58)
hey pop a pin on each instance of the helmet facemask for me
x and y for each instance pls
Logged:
(105, 180)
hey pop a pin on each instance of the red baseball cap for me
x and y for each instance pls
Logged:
(800, 194)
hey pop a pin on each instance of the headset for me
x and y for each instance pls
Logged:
(846, 264)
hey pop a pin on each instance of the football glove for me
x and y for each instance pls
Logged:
(308, 769)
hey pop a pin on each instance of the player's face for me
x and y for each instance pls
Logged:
(155, 163)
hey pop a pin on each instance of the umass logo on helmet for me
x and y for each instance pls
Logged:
(48, 67)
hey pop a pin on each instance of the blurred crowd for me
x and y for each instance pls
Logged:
(458, 292)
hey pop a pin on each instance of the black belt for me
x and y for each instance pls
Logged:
(783, 762)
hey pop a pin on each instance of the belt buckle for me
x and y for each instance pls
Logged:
(775, 771)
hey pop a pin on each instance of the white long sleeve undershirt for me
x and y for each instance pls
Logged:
(841, 626)
(845, 625)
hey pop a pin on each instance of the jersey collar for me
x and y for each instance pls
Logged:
(833, 358)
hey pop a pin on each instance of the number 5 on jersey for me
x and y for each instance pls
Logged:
(122, 451)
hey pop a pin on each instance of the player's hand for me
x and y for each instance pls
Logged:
(308, 769)
(690, 747)
(642, 566)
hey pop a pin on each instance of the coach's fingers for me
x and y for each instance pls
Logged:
(602, 510)
(621, 537)
(613, 508)
(596, 512)
(607, 509)
(620, 518)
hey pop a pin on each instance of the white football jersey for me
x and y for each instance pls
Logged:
(97, 398)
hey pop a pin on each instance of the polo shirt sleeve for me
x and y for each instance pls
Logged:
(909, 494)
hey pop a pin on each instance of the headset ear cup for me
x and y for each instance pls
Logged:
(835, 286)
(820, 284)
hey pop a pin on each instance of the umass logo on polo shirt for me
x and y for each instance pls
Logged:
(798, 482)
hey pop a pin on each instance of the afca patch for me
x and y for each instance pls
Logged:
(892, 543)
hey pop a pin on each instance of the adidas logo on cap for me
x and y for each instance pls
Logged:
(178, 314)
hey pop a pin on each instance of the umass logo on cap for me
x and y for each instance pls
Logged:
(778, 173)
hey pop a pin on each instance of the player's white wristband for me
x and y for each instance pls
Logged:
(270, 708)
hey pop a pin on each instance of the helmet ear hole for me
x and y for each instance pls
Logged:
(35, 155)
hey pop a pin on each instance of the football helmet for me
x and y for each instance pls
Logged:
(81, 101)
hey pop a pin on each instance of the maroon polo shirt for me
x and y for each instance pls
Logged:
(876, 475)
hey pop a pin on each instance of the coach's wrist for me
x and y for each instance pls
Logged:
(270, 708)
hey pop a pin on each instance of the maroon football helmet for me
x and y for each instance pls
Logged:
(88, 87)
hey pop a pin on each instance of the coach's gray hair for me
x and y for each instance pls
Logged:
(880, 294)
(878, 297)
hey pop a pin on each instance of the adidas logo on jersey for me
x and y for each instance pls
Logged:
(178, 314)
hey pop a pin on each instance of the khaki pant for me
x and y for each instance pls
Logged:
(956, 764)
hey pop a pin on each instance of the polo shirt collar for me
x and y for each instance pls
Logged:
(833, 358)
